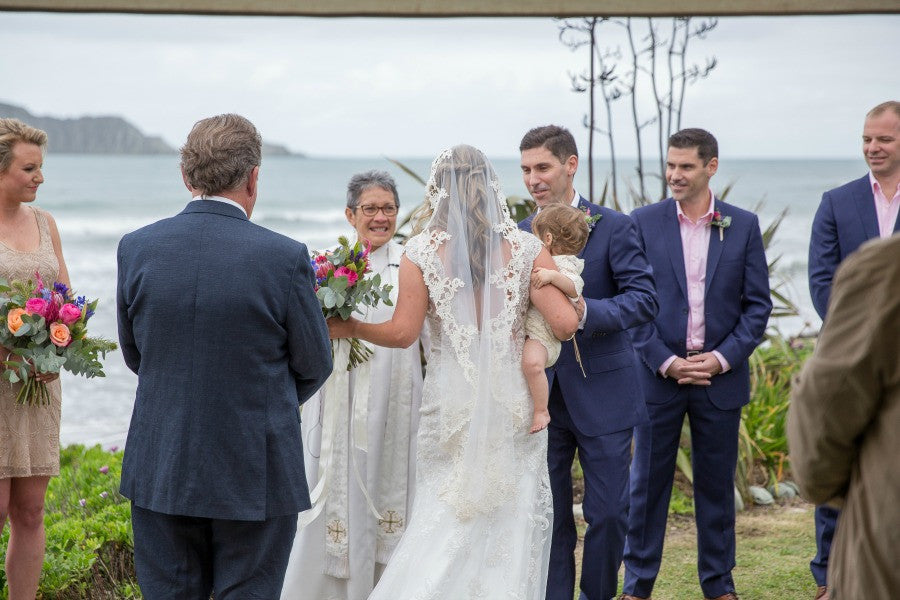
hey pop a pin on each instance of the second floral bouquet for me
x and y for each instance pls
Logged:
(45, 330)
(344, 285)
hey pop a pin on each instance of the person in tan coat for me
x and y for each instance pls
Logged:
(844, 423)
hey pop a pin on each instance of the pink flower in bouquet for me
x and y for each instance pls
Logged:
(37, 306)
(14, 319)
(324, 269)
(69, 313)
(347, 272)
(60, 335)
(40, 284)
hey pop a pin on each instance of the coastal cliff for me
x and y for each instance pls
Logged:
(102, 135)
(90, 135)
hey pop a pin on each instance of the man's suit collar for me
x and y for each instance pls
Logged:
(716, 244)
(864, 200)
(671, 231)
(215, 208)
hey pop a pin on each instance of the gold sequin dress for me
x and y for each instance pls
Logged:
(29, 435)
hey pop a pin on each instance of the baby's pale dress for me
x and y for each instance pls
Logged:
(535, 325)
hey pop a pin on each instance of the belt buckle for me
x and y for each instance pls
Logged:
(691, 353)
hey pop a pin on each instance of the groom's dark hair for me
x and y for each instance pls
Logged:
(558, 140)
(705, 143)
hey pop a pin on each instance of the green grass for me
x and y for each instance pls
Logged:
(774, 547)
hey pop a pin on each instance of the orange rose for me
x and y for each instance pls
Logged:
(14, 319)
(60, 335)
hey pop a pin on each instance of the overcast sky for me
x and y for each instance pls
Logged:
(784, 86)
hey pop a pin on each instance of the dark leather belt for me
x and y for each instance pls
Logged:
(691, 353)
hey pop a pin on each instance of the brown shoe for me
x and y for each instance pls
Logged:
(630, 597)
(822, 593)
(728, 596)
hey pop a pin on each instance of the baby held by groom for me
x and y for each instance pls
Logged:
(564, 231)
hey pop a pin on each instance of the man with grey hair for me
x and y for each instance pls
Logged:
(848, 216)
(219, 319)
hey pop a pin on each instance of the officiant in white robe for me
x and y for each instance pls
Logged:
(341, 551)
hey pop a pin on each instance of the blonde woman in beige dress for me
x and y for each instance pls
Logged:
(29, 435)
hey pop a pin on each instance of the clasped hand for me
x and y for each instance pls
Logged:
(695, 370)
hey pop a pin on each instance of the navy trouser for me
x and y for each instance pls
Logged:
(826, 523)
(188, 558)
(714, 446)
(605, 461)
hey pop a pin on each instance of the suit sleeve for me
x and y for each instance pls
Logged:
(635, 303)
(650, 347)
(824, 254)
(756, 302)
(308, 343)
(839, 391)
(127, 345)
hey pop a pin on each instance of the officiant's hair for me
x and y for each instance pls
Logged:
(13, 131)
(219, 153)
(694, 137)
(361, 182)
(558, 140)
(566, 223)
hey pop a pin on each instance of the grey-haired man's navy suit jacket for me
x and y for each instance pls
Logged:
(844, 221)
(218, 318)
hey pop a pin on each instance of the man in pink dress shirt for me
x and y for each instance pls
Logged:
(848, 216)
(713, 286)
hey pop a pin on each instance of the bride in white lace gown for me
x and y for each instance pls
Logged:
(481, 520)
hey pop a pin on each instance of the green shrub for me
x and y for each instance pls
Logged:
(762, 450)
(89, 540)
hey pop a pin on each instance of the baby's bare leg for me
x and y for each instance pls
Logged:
(534, 358)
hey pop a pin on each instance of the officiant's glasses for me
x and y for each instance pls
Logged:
(370, 210)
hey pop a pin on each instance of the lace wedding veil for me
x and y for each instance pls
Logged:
(471, 255)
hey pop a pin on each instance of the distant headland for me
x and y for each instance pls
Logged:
(103, 135)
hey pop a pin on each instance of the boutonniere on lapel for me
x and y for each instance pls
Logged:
(721, 222)
(590, 219)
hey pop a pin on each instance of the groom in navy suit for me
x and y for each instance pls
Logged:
(713, 283)
(848, 216)
(218, 318)
(593, 411)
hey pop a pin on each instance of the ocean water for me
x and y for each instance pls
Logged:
(97, 199)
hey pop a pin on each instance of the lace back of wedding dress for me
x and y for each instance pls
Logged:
(481, 519)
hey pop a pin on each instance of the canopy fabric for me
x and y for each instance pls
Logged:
(461, 8)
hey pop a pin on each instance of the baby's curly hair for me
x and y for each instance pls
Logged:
(567, 225)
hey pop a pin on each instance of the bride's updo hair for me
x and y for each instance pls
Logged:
(566, 223)
(465, 174)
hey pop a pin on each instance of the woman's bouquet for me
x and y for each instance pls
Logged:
(45, 330)
(342, 286)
